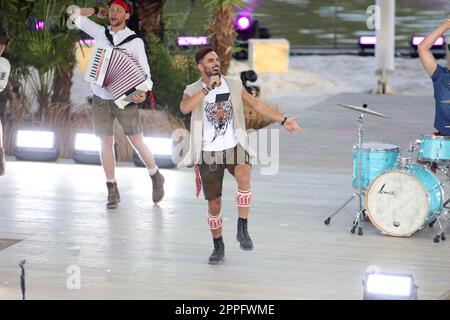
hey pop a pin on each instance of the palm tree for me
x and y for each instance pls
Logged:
(222, 30)
(62, 80)
(151, 17)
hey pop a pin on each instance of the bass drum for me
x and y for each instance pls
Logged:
(400, 202)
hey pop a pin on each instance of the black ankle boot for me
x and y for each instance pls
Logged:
(242, 235)
(219, 251)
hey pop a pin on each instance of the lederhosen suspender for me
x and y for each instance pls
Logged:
(110, 38)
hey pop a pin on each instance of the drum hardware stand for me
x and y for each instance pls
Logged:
(444, 214)
(360, 193)
(442, 226)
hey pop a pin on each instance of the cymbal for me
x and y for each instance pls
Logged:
(364, 110)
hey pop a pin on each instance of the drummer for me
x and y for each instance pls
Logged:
(441, 80)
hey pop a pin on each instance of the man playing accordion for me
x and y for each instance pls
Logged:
(104, 110)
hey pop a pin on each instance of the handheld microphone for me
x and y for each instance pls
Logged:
(214, 84)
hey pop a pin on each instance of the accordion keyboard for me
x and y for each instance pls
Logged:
(98, 65)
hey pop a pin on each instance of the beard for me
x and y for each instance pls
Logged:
(211, 72)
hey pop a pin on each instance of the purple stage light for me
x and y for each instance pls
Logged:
(40, 25)
(192, 41)
(243, 23)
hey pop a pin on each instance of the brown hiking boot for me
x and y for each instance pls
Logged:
(113, 195)
(2, 162)
(158, 187)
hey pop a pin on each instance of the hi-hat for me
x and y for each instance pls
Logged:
(362, 109)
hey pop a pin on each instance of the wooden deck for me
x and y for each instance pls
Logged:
(140, 251)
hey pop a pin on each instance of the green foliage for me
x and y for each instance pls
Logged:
(170, 75)
(218, 5)
(35, 54)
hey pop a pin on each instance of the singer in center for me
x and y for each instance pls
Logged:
(219, 141)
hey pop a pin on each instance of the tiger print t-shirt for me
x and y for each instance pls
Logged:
(218, 127)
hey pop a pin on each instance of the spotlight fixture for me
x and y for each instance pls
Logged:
(387, 286)
(246, 28)
(86, 149)
(36, 145)
(161, 148)
(438, 48)
(366, 44)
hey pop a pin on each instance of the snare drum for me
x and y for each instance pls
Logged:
(434, 149)
(376, 159)
(400, 202)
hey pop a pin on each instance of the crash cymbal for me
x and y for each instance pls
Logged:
(362, 109)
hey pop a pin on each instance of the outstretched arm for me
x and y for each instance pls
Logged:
(426, 57)
(261, 107)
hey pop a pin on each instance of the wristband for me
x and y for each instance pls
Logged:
(284, 121)
(96, 10)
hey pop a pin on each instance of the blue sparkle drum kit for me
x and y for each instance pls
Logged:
(398, 196)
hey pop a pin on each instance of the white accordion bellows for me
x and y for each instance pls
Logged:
(5, 69)
(119, 73)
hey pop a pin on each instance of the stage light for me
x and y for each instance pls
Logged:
(243, 23)
(37, 25)
(251, 76)
(438, 48)
(86, 149)
(40, 25)
(367, 40)
(386, 286)
(35, 139)
(246, 28)
(416, 40)
(185, 41)
(87, 142)
(36, 145)
(366, 44)
(161, 148)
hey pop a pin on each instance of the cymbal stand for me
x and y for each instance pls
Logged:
(360, 193)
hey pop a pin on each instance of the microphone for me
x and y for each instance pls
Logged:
(214, 84)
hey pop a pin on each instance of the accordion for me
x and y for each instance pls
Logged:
(119, 73)
(5, 69)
